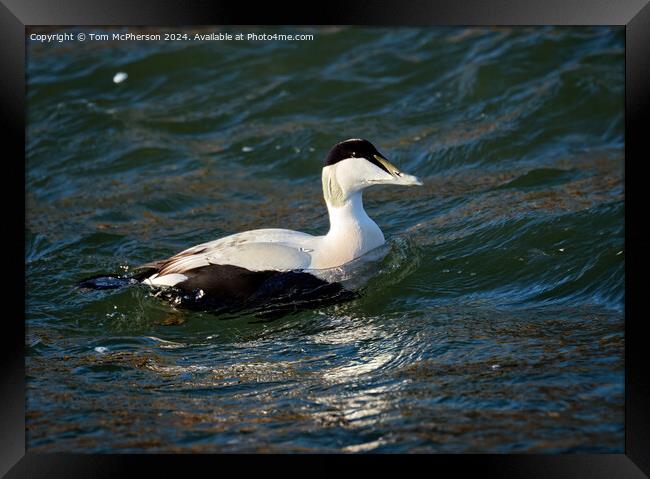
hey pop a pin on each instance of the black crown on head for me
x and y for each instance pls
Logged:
(354, 148)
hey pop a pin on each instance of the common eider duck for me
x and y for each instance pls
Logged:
(258, 268)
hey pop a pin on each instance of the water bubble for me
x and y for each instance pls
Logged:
(101, 349)
(120, 77)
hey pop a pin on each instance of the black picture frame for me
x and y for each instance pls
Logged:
(15, 15)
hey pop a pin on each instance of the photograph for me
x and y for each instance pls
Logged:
(325, 239)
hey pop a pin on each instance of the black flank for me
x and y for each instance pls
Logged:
(269, 294)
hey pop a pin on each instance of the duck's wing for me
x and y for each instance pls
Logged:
(258, 250)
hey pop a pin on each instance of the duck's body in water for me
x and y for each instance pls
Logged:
(267, 267)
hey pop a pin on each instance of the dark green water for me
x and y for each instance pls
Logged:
(495, 324)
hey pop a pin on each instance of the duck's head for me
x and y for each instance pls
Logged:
(355, 164)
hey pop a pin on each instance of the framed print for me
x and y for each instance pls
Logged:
(405, 232)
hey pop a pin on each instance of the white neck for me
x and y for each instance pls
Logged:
(352, 232)
(348, 216)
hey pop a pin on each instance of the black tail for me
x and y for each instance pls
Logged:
(114, 282)
(106, 282)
